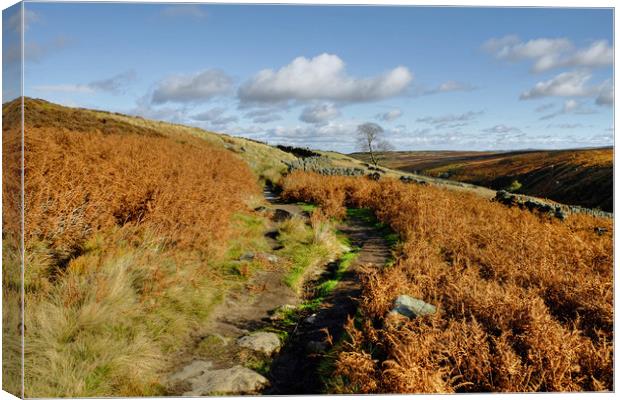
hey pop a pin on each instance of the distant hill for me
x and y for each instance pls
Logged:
(581, 176)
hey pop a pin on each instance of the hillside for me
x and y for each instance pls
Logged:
(579, 177)
(135, 231)
(156, 253)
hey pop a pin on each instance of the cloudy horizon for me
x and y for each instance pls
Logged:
(433, 78)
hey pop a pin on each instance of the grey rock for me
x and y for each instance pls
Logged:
(411, 307)
(263, 342)
(279, 313)
(311, 319)
(196, 368)
(272, 258)
(230, 381)
(247, 256)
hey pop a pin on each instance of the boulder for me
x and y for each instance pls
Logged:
(196, 368)
(263, 342)
(231, 381)
(374, 176)
(411, 307)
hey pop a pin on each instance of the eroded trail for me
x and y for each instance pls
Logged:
(218, 355)
(296, 370)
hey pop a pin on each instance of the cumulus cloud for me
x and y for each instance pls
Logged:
(502, 129)
(319, 113)
(215, 116)
(323, 77)
(566, 84)
(194, 88)
(115, 85)
(450, 120)
(550, 53)
(390, 115)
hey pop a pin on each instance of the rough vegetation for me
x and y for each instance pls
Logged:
(135, 230)
(127, 235)
(525, 302)
(581, 177)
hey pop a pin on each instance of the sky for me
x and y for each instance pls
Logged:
(434, 78)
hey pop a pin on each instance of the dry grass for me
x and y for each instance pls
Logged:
(525, 302)
(127, 233)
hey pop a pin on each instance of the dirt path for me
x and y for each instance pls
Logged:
(249, 308)
(296, 368)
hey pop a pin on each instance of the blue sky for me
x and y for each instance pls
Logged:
(433, 78)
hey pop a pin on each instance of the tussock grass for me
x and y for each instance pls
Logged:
(307, 245)
(525, 301)
(128, 243)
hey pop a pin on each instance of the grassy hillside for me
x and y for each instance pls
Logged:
(580, 177)
(133, 232)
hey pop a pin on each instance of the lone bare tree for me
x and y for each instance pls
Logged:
(370, 140)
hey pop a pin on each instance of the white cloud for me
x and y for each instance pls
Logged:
(450, 120)
(14, 22)
(198, 87)
(323, 77)
(563, 85)
(215, 116)
(502, 129)
(445, 87)
(114, 85)
(390, 115)
(184, 10)
(597, 55)
(454, 86)
(606, 95)
(64, 88)
(550, 53)
(263, 115)
(570, 106)
(319, 114)
(565, 126)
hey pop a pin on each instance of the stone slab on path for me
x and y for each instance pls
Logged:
(205, 381)
(263, 342)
